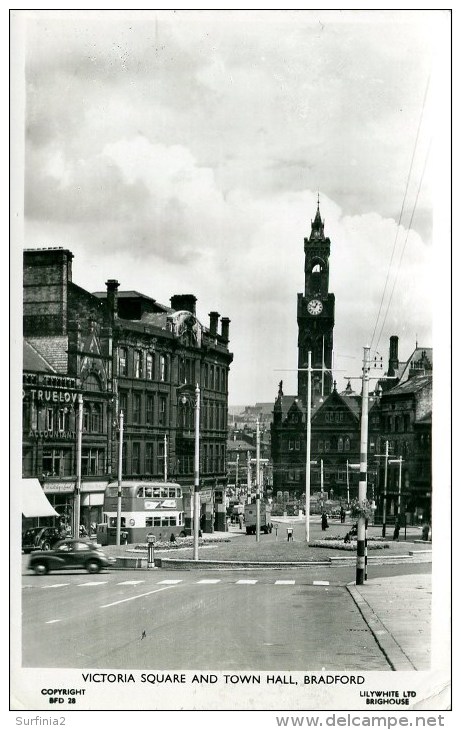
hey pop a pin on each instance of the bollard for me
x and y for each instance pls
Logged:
(150, 550)
(276, 528)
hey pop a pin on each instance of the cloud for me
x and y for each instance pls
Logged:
(184, 151)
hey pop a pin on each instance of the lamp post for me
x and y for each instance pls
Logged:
(187, 398)
(197, 472)
(399, 498)
(308, 445)
(119, 479)
(165, 459)
(258, 478)
(78, 481)
(361, 527)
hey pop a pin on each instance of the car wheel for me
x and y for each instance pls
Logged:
(40, 568)
(46, 545)
(182, 534)
(93, 566)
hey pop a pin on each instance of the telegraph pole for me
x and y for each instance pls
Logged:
(248, 495)
(78, 481)
(119, 479)
(165, 459)
(361, 535)
(386, 462)
(197, 472)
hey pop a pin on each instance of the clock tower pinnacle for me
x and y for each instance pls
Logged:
(316, 312)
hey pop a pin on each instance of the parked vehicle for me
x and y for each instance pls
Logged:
(40, 538)
(68, 554)
(265, 521)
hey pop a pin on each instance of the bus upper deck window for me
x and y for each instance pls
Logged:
(140, 492)
(148, 491)
(163, 492)
(156, 492)
(172, 492)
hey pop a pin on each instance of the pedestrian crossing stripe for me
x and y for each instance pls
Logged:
(321, 583)
(210, 580)
(169, 582)
(284, 582)
(130, 582)
(247, 582)
(57, 585)
(93, 583)
(54, 621)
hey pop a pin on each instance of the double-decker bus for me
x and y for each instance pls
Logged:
(147, 507)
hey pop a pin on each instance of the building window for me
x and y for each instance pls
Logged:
(137, 364)
(63, 420)
(327, 445)
(320, 445)
(290, 445)
(93, 462)
(347, 444)
(57, 462)
(123, 402)
(136, 408)
(163, 369)
(149, 409)
(205, 368)
(149, 458)
(160, 457)
(340, 444)
(122, 358)
(96, 418)
(135, 457)
(297, 445)
(162, 411)
(149, 366)
(49, 419)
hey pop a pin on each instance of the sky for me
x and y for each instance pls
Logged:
(183, 152)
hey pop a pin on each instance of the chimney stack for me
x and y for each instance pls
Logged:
(225, 322)
(183, 302)
(214, 317)
(112, 286)
(393, 355)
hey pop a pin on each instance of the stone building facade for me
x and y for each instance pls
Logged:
(122, 351)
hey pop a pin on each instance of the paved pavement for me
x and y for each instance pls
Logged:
(398, 612)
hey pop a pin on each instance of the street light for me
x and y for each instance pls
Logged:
(119, 479)
(196, 504)
(78, 481)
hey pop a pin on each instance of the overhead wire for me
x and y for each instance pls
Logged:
(400, 217)
(404, 245)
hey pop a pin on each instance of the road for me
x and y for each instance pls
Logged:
(298, 619)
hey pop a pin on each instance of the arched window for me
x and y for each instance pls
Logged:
(347, 443)
(340, 443)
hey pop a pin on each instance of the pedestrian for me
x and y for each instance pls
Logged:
(240, 521)
(396, 530)
(324, 521)
(172, 537)
(347, 537)
(342, 514)
(425, 532)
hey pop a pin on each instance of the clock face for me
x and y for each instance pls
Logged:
(314, 306)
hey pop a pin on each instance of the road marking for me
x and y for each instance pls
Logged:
(321, 583)
(130, 582)
(169, 582)
(210, 580)
(93, 583)
(56, 585)
(284, 582)
(133, 598)
(247, 582)
(54, 621)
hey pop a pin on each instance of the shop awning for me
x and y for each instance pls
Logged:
(94, 486)
(34, 500)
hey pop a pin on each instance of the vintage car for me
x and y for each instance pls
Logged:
(39, 538)
(68, 554)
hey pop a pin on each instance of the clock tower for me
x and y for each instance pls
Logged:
(316, 313)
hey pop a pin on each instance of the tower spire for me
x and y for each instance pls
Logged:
(317, 224)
